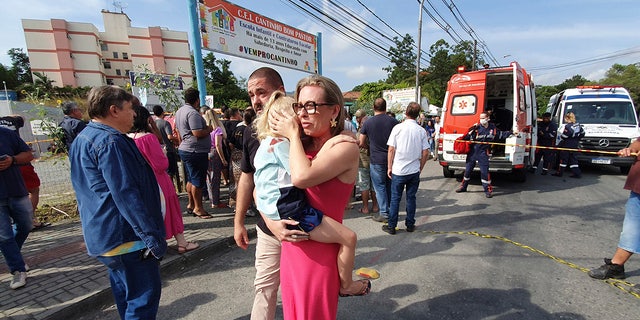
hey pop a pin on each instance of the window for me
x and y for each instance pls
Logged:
(125, 56)
(104, 46)
(118, 72)
(115, 55)
(110, 82)
(107, 65)
(464, 105)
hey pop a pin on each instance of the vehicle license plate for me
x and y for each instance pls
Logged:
(459, 157)
(601, 160)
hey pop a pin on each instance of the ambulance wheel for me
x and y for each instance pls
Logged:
(519, 175)
(447, 173)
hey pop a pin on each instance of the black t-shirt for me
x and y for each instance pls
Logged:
(378, 129)
(12, 123)
(250, 145)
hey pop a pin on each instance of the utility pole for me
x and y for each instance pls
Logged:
(419, 51)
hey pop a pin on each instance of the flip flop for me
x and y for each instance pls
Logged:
(360, 210)
(202, 216)
(40, 226)
(366, 288)
(187, 248)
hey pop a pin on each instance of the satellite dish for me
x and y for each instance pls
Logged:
(120, 5)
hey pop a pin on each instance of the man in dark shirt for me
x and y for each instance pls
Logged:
(262, 83)
(72, 122)
(378, 129)
(15, 206)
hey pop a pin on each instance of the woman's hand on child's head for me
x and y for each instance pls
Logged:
(283, 124)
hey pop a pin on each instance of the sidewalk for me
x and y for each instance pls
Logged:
(64, 280)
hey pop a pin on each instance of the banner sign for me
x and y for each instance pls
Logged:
(399, 99)
(233, 30)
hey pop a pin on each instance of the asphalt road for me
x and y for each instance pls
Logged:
(520, 255)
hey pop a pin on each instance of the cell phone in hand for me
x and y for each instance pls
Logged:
(4, 156)
(300, 236)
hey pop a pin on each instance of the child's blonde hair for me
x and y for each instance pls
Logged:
(278, 102)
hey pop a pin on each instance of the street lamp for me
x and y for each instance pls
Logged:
(6, 95)
(418, 60)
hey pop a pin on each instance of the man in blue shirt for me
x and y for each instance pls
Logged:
(15, 205)
(119, 203)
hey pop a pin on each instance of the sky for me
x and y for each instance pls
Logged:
(553, 40)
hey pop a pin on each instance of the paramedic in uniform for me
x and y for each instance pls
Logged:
(481, 132)
(570, 137)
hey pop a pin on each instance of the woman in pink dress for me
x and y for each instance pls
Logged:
(150, 147)
(327, 166)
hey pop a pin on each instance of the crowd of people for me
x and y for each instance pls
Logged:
(292, 161)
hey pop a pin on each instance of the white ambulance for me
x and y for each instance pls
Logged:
(609, 119)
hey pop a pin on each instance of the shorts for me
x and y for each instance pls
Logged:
(364, 179)
(195, 166)
(308, 219)
(30, 177)
(630, 235)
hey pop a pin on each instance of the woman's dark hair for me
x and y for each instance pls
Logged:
(141, 120)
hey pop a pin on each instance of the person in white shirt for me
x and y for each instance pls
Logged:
(407, 155)
(436, 136)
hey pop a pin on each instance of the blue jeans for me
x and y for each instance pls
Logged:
(16, 210)
(630, 235)
(398, 184)
(382, 187)
(135, 284)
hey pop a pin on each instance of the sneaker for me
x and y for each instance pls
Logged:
(488, 195)
(411, 228)
(608, 270)
(461, 189)
(388, 229)
(19, 280)
(379, 218)
(26, 267)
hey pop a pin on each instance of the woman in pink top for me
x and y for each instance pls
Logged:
(150, 147)
(326, 165)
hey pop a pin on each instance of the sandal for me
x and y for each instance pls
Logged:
(366, 288)
(40, 226)
(205, 215)
(360, 210)
(189, 247)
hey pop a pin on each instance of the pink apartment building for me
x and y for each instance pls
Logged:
(78, 54)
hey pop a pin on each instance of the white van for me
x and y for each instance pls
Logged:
(609, 120)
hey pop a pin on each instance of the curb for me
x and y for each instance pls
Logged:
(103, 298)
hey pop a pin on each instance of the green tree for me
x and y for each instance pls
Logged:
(627, 76)
(403, 58)
(164, 86)
(9, 77)
(20, 65)
(221, 82)
(369, 92)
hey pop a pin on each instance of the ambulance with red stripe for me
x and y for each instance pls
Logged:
(509, 92)
(609, 120)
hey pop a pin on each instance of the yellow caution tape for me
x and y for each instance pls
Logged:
(620, 284)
